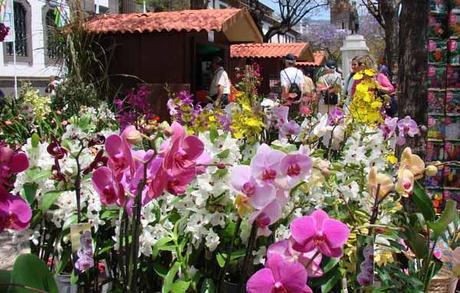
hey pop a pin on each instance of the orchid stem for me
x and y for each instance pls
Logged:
(313, 258)
(229, 253)
(375, 210)
(247, 257)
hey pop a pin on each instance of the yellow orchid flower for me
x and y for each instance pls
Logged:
(405, 182)
(412, 162)
(375, 179)
(242, 205)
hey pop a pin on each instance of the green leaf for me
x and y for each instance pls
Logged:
(180, 286)
(5, 278)
(224, 154)
(331, 282)
(208, 286)
(221, 257)
(29, 270)
(160, 245)
(448, 215)
(221, 173)
(37, 174)
(69, 221)
(423, 202)
(48, 199)
(35, 140)
(30, 189)
(161, 270)
(417, 243)
(329, 264)
(213, 134)
(167, 285)
(65, 258)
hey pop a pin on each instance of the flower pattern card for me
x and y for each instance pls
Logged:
(453, 46)
(436, 76)
(453, 102)
(437, 26)
(453, 77)
(454, 23)
(436, 102)
(455, 4)
(438, 6)
(434, 151)
(452, 176)
(452, 151)
(437, 51)
(436, 127)
(452, 128)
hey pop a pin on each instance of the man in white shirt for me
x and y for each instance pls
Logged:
(292, 81)
(329, 86)
(220, 84)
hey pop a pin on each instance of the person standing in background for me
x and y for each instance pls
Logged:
(219, 89)
(329, 86)
(292, 83)
(307, 105)
(346, 91)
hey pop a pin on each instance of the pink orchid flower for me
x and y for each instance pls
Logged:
(266, 216)
(294, 168)
(407, 127)
(15, 213)
(120, 158)
(182, 152)
(11, 163)
(265, 164)
(389, 127)
(108, 187)
(279, 276)
(284, 248)
(320, 232)
(258, 195)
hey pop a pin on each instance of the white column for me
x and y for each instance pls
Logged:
(353, 45)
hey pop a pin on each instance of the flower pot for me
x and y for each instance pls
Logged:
(443, 282)
(229, 287)
(64, 285)
(13, 244)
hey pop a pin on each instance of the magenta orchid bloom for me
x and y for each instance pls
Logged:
(11, 163)
(284, 248)
(182, 152)
(108, 187)
(335, 117)
(120, 158)
(265, 164)
(389, 127)
(407, 127)
(15, 213)
(318, 231)
(279, 276)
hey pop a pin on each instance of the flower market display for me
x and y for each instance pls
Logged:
(237, 199)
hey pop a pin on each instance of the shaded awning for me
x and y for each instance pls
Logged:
(236, 24)
(272, 50)
(319, 60)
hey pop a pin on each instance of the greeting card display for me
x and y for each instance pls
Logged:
(453, 77)
(436, 76)
(452, 128)
(437, 197)
(455, 4)
(451, 176)
(453, 47)
(437, 26)
(434, 151)
(437, 51)
(435, 127)
(436, 102)
(454, 23)
(453, 102)
(451, 151)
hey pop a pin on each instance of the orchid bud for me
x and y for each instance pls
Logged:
(221, 166)
(132, 135)
(431, 170)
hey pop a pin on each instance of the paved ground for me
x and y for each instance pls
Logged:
(11, 246)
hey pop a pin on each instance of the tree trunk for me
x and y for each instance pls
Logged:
(389, 12)
(413, 63)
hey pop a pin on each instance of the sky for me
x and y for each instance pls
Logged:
(318, 15)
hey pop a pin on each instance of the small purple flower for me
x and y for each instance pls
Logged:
(84, 262)
(389, 127)
(289, 129)
(335, 117)
(406, 127)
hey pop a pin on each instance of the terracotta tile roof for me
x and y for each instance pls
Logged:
(271, 50)
(320, 59)
(185, 20)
